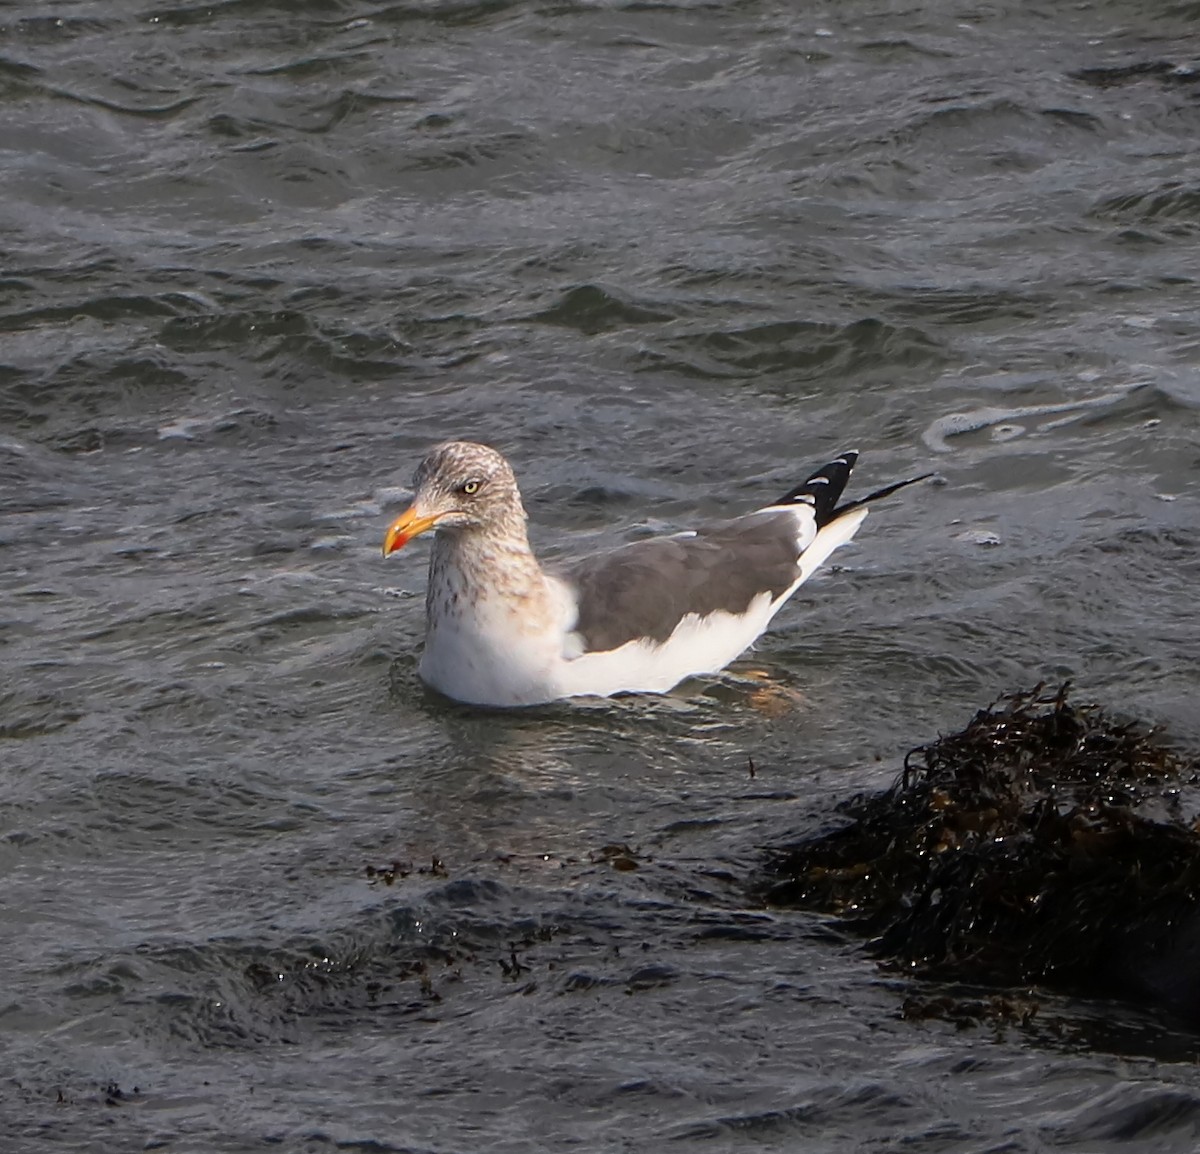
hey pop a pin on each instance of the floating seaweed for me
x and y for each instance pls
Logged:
(1045, 843)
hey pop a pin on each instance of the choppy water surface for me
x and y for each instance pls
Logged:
(258, 256)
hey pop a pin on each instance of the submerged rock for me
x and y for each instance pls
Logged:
(1045, 843)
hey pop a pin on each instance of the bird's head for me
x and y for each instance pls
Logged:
(459, 486)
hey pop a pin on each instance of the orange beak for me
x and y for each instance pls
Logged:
(405, 527)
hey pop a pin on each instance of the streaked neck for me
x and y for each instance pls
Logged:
(484, 563)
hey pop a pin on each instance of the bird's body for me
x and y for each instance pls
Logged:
(504, 631)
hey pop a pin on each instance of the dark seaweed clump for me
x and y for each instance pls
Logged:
(1044, 843)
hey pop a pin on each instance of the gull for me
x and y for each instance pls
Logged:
(502, 630)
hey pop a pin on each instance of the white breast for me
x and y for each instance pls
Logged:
(492, 649)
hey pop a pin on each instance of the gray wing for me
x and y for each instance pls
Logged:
(645, 589)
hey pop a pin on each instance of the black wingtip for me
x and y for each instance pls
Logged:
(886, 491)
(824, 488)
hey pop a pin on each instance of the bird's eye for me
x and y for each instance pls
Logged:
(470, 488)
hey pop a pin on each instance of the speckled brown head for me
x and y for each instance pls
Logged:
(460, 486)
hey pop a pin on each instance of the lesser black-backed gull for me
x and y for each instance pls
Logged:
(501, 630)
